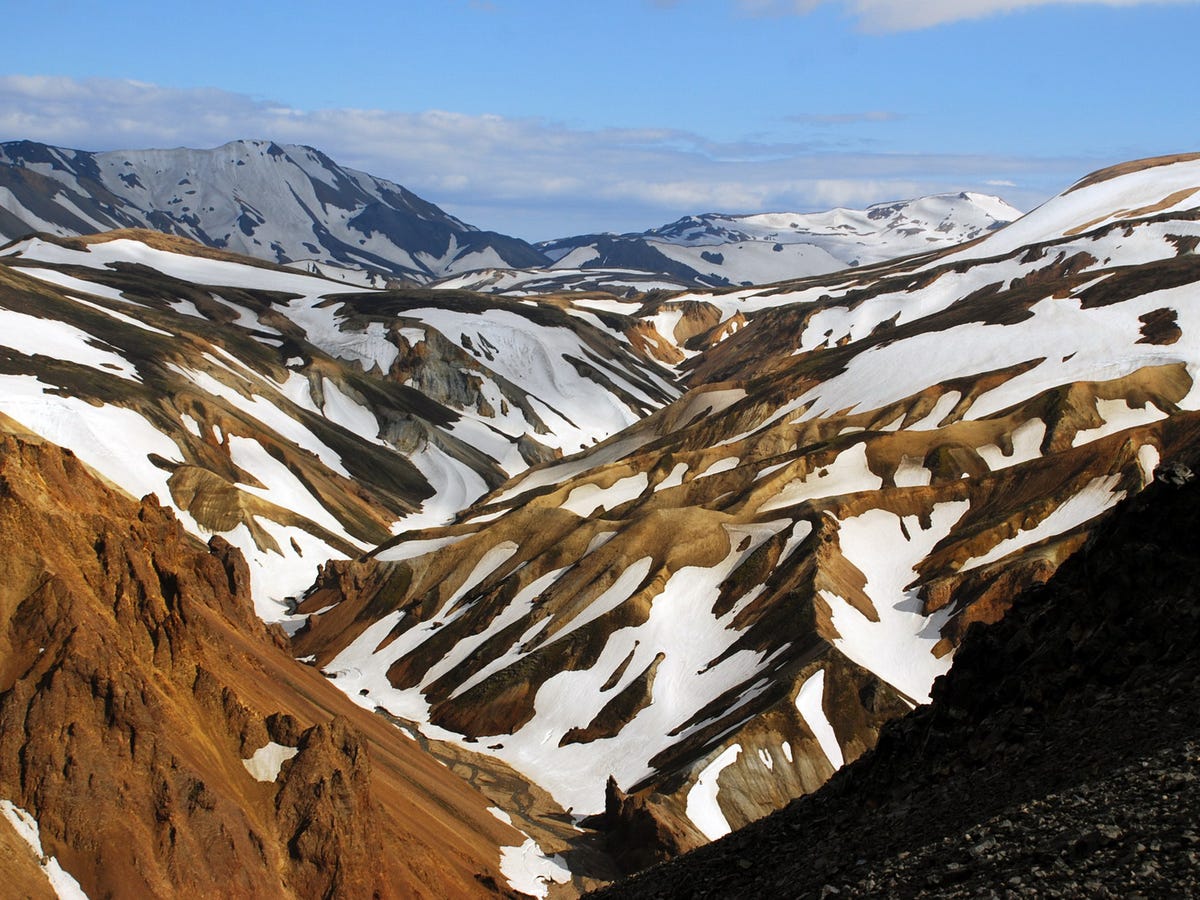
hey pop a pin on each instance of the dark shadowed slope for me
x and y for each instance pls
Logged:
(1060, 757)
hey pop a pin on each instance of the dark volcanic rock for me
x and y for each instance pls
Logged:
(1060, 757)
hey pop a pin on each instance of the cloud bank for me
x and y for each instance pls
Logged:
(907, 15)
(525, 176)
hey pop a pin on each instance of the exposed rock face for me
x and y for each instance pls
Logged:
(1059, 755)
(136, 679)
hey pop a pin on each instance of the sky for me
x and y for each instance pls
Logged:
(546, 119)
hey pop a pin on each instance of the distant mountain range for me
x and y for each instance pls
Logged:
(287, 204)
(293, 205)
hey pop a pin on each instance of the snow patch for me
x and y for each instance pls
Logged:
(267, 760)
(702, 806)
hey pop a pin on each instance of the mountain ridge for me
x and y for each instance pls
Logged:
(292, 204)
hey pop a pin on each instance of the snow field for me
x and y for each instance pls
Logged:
(898, 647)
(1096, 497)
(701, 805)
(809, 703)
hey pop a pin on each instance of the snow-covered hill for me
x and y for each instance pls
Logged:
(288, 204)
(758, 249)
(300, 418)
(725, 601)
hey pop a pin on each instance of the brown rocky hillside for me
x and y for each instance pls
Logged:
(135, 681)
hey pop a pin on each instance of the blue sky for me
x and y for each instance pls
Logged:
(543, 119)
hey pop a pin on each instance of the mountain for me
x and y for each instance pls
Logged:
(1058, 757)
(737, 250)
(722, 603)
(294, 205)
(159, 740)
(289, 204)
(300, 418)
(638, 569)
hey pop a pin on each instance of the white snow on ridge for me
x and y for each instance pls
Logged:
(34, 336)
(809, 703)
(101, 436)
(1096, 497)
(1096, 205)
(26, 826)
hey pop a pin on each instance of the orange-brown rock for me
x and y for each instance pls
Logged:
(135, 679)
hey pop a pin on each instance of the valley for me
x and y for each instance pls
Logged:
(597, 564)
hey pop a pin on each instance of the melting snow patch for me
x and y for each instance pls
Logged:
(1118, 415)
(1026, 443)
(530, 871)
(702, 806)
(911, 473)
(585, 499)
(721, 465)
(412, 549)
(266, 762)
(898, 647)
(26, 826)
(1148, 459)
(810, 704)
(674, 479)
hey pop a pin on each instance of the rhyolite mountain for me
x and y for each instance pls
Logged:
(641, 569)
(722, 603)
(294, 205)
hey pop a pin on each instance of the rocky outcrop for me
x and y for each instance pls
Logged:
(136, 678)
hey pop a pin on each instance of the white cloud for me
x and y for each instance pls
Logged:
(905, 15)
(529, 177)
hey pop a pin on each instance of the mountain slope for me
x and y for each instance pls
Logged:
(725, 601)
(159, 740)
(299, 418)
(288, 204)
(1059, 755)
(672, 614)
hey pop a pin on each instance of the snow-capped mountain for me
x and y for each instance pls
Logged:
(293, 204)
(665, 560)
(288, 204)
(717, 249)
